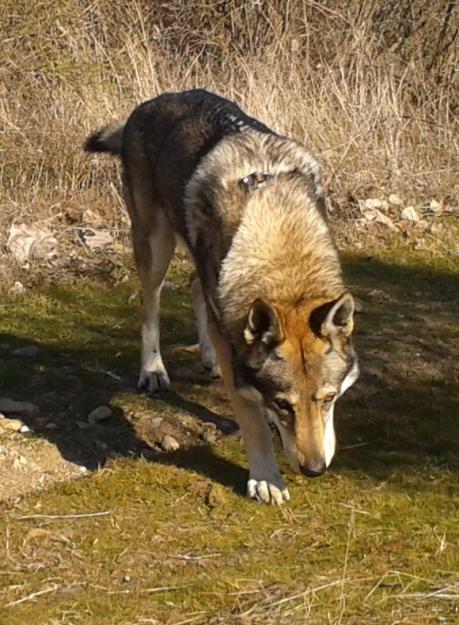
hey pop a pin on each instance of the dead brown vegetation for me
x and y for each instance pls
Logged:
(371, 87)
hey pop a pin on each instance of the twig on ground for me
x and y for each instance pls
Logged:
(7, 541)
(346, 505)
(399, 574)
(441, 593)
(32, 596)
(364, 444)
(342, 599)
(189, 558)
(52, 517)
(303, 594)
(127, 591)
(191, 620)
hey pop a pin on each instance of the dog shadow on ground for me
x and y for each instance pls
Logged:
(400, 412)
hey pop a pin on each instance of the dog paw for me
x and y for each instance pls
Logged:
(268, 491)
(213, 370)
(153, 382)
(209, 361)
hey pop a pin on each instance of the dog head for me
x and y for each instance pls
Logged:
(298, 361)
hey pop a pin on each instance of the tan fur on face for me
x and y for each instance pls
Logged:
(308, 368)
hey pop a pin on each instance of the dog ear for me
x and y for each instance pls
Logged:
(334, 318)
(263, 324)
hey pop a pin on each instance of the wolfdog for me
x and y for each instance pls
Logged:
(273, 314)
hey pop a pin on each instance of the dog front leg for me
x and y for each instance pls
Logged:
(208, 357)
(265, 482)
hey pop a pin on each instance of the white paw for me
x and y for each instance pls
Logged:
(272, 491)
(153, 381)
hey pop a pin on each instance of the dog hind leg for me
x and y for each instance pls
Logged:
(154, 244)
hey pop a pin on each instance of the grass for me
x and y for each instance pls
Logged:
(374, 541)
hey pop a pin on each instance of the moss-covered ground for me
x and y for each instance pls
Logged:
(171, 538)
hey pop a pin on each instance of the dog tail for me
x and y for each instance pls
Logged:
(106, 139)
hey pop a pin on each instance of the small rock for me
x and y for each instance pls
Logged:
(434, 205)
(19, 407)
(435, 229)
(227, 426)
(82, 469)
(376, 216)
(101, 444)
(374, 202)
(24, 429)
(156, 421)
(19, 462)
(101, 413)
(30, 351)
(13, 425)
(51, 426)
(83, 425)
(410, 214)
(191, 349)
(184, 420)
(169, 443)
(95, 239)
(17, 289)
(395, 200)
(209, 437)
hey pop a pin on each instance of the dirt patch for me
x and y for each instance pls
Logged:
(30, 465)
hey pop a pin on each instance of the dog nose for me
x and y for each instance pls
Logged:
(314, 469)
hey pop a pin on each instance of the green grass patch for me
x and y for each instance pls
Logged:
(373, 541)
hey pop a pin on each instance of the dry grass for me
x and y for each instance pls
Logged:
(370, 87)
